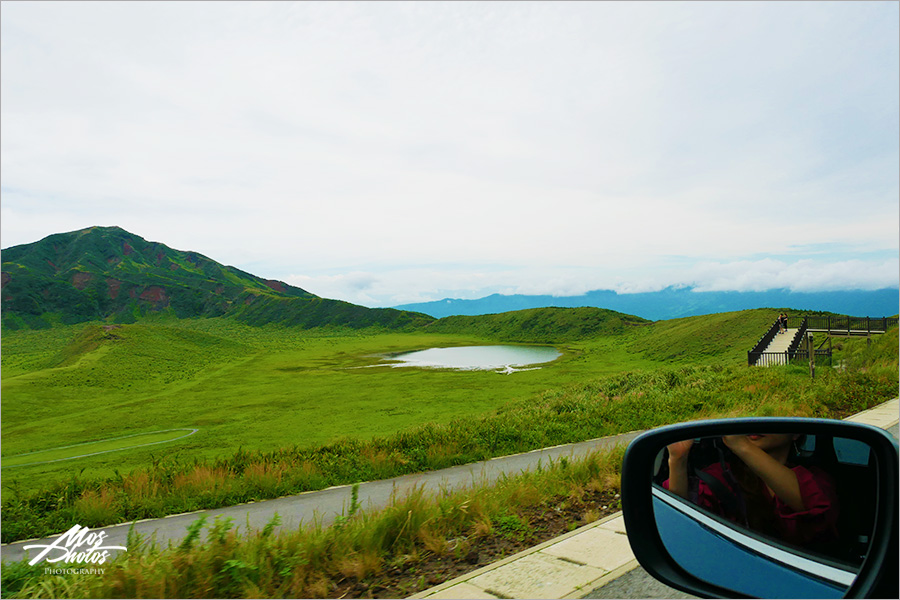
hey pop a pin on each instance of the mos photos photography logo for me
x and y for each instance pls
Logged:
(73, 550)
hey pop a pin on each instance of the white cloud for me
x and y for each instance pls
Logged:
(800, 276)
(513, 146)
(402, 285)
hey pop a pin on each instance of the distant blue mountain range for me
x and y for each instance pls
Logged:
(673, 303)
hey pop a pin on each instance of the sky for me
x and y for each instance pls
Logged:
(385, 153)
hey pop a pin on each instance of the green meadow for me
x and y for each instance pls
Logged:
(85, 449)
(280, 410)
(241, 388)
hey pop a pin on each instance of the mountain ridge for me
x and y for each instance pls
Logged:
(674, 302)
(108, 273)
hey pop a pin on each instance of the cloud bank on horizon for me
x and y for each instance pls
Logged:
(388, 153)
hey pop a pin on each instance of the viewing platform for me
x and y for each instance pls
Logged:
(776, 348)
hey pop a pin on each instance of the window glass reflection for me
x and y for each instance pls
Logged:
(759, 485)
(814, 495)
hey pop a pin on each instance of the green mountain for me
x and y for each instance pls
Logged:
(543, 325)
(107, 273)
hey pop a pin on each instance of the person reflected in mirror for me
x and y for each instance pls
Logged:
(761, 486)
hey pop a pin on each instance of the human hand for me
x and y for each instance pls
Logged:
(680, 450)
(737, 443)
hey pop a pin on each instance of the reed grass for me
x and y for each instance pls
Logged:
(213, 561)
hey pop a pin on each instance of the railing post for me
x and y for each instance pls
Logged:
(812, 355)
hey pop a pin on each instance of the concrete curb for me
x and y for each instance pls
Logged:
(557, 565)
(587, 558)
(884, 415)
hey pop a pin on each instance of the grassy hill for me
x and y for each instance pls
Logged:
(107, 273)
(707, 338)
(541, 325)
(285, 399)
(421, 539)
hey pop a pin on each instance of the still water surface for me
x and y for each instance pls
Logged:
(477, 358)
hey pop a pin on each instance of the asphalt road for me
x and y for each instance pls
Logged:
(323, 506)
(637, 583)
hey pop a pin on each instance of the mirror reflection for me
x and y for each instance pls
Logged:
(805, 503)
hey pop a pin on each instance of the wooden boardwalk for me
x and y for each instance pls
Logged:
(776, 348)
(782, 341)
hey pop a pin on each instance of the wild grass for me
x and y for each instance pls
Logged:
(580, 400)
(281, 402)
(213, 561)
(604, 406)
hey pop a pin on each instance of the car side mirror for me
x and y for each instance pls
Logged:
(765, 507)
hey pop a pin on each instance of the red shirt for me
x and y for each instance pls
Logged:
(817, 523)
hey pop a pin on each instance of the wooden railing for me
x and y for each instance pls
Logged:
(769, 359)
(842, 325)
(758, 351)
(799, 336)
(830, 324)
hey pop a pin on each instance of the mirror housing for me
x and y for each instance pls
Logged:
(877, 574)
